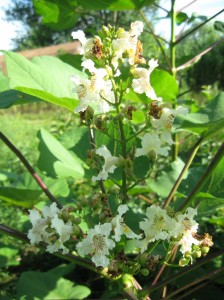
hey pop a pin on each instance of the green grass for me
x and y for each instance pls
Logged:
(21, 124)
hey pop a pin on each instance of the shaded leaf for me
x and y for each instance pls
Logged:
(40, 285)
(208, 119)
(20, 197)
(56, 160)
(45, 77)
(164, 84)
(13, 97)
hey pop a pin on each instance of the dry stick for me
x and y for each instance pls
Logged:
(29, 168)
(185, 6)
(207, 276)
(184, 272)
(198, 56)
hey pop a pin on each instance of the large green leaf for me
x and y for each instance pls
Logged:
(163, 184)
(4, 83)
(207, 120)
(56, 160)
(21, 197)
(13, 97)
(45, 285)
(57, 14)
(114, 5)
(45, 77)
(8, 257)
(164, 85)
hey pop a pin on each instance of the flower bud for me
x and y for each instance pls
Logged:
(204, 250)
(144, 272)
(76, 230)
(143, 258)
(196, 254)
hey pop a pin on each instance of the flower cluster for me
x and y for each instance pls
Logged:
(50, 228)
(100, 240)
(180, 229)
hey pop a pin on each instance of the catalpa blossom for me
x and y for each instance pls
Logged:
(94, 92)
(157, 226)
(165, 122)
(50, 228)
(141, 84)
(97, 244)
(89, 46)
(151, 146)
(119, 226)
(110, 163)
(127, 42)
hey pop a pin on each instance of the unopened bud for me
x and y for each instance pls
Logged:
(204, 250)
(144, 272)
(76, 230)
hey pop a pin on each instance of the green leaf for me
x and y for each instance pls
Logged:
(8, 257)
(219, 25)
(208, 204)
(207, 120)
(164, 85)
(45, 77)
(57, 14)
(142, 167)
(21, 197)
(216, 184)
(12, 97)
(181, 17)
(4, 83)
(45, 285)
(114, 5)
(57, 161)
(164, 183)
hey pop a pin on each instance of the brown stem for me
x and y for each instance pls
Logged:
(198, 56)
(189, 285)
(185, 271)
(29, 168)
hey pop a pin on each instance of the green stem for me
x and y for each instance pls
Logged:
(213, 164)
(183, 172)
(173, 67)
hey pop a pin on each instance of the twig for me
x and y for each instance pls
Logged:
(197, 27)
(185, 168)
(197, 57)
(29, 168)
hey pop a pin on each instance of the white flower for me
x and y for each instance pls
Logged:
(142, 83)
(97, 244)
(120, 227)
(87, 44)
(187, 241)
(151, 145)
(156, 226)
(50, 212)
(109, 164)
(127, 43)
(185, 222)
(95, 90)
(165, 122)
(38, 232)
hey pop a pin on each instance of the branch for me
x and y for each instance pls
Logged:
(197, 27)
(210, 169)
(29, 168)
(184, 170)
(197, 57)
